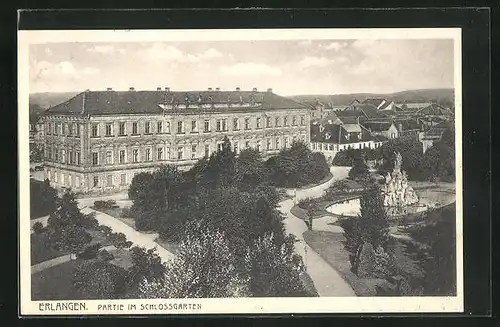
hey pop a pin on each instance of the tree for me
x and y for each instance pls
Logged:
(250, 170)
(439, 160)
(410, 149)
(43, 198)
(99, 280)
(68, 214)
(70, 238)
(146, 265)
(359, 170)
(435, 251)
(319, 168)
(203, 268)
(38, 227)
(119, 240)
(273, 269)
(371, 226)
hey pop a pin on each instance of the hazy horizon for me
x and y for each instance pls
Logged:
(289, 67)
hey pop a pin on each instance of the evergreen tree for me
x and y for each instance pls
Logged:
(250, 171)
(203, 268)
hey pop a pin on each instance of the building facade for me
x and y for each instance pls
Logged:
(97, 141)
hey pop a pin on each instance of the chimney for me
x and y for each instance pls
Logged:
(254, 89)
(237, 89)
(217, 88)
(131, 88)
(158, 89)
(270, 90)
(167, 89)
(109, 89)
(210, 89)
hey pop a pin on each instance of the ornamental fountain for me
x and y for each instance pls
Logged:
(398, 194)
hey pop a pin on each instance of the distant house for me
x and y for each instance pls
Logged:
(380, 103)
(317, 110)
(362, 112)
(432, 135)
(409, 127)
(35, 130)
(330, 139)
(384, 128)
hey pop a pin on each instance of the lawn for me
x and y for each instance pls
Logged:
(329, 246)
(117, 213)
(322, 205)
(41, 250)
(55, 283)
(309, 285)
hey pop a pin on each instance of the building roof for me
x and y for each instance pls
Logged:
(334, 133)
(352, 128)
(380, 138)
(154, 102)
(378, 126)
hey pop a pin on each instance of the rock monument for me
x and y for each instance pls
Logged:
(397, 193)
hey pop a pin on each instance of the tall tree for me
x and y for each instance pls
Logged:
(273, 269)
(98, 280)
(250, 171)
(203, 268)
(146, 265)
(43, 198)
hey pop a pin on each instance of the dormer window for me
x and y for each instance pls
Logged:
(321, 128)
(328, 135)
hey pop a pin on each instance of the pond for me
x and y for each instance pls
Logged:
(429, 198)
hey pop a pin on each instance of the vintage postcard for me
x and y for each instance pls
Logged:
(240, 171)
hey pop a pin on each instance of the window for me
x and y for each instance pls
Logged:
(220, 146)
(167, 152)
(258, 146)
(247, 123)
(180, 127)
(268, 144)
(258, 120)
(109, 158)
(194, 126)
(193, 151)
(159, 153)
(49, 153)
(77, 182)
(49, 128)
(70, 130)
(180, 152)
(110, 180)
(135, 155)
(294, 139)
(236, 124)
(277, 122)
(285, 121)
(77, 130)
(247, 144)
(95, 130)
(64, 129)
(56, 154)
(277, 143)
(268, 121)
(224, 124)
(123, 179)
(159, 127)
(95, 158)
(147, 127)
(294, 121)
(109, 130)
(96, 181)
(286, 142)
(77, 157)
(207, 150)
(302, 120)
(219, 125)
(167, 127)
(67, 180)
(58, 129)
(236, 147)
(121, 156)
(63, 156)
(148, 154)
(206, 125)
(134, 128)
(70, 156)
(121, 129)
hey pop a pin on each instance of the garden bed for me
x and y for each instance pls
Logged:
(330, 247)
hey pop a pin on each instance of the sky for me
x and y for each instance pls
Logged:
(289, 67)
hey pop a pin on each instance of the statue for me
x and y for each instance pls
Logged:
(397, 192)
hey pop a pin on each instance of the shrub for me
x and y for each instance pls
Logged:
(38, 227)
(105, 255)
(106, 230)
(108, 204)
(99, 280)
(125, 212)
(90, 251)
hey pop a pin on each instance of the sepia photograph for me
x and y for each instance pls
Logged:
(240, 171)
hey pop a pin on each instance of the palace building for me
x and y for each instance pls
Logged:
(98, 140)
